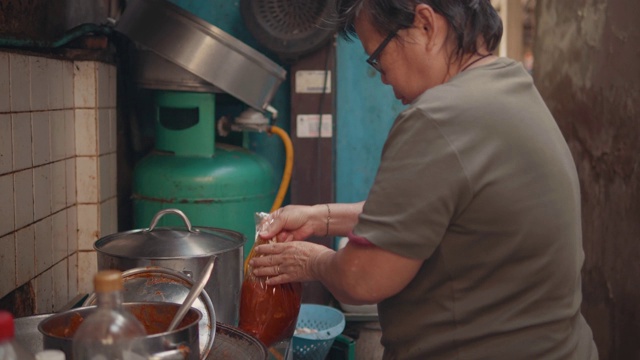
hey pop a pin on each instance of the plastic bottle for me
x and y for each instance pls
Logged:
(10, 349)
(109, 332)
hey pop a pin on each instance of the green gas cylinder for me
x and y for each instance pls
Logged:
(215, 185)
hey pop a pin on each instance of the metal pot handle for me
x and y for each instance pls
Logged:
(161, 213)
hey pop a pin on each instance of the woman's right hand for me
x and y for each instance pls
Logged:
(294, 222)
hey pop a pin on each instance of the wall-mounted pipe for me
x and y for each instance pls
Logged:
(72, 34)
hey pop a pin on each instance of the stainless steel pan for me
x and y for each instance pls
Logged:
(203, 49)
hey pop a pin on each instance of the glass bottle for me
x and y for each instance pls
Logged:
(109, 332)
(10, 349)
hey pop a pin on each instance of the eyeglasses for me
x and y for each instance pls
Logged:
(373, 59)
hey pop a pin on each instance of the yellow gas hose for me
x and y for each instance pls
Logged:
(284, 183)
(288, 166)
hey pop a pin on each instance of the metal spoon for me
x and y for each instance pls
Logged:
(193, 294)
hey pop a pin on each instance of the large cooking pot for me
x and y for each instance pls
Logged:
(182, 343)
(186, 250)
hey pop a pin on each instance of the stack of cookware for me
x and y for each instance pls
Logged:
(160, 266)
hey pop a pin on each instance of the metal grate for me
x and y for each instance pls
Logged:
(290, 19)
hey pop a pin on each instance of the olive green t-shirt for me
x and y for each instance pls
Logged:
(477, 180)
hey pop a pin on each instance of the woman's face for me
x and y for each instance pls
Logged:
(409, 62)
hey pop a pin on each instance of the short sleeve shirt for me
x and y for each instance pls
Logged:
(477, 180)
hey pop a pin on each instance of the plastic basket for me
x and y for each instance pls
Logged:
(329, 323)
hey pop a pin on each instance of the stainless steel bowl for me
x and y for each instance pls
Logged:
(230, 342)
(183, 342)
(202, 49)
(158, 284)
(27, 333)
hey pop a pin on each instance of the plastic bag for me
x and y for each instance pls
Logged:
(267, 312)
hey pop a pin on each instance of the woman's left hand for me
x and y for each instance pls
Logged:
(287, 262)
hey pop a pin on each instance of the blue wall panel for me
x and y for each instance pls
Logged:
(365, 110)
(223, 14)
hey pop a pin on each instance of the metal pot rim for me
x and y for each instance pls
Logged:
(52, 317)
(197, 232)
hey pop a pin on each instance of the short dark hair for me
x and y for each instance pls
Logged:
(468, 19)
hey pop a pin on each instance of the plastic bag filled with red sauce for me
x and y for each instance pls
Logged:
(267, 312)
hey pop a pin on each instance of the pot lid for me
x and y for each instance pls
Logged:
(170, 243)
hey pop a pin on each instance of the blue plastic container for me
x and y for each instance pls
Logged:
(329, 322)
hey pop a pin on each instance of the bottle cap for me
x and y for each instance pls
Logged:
(7, 331)
(50, 355)
(108, 280)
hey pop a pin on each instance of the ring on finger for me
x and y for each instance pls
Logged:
(278, 269)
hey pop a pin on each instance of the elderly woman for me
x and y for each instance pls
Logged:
(470, 238)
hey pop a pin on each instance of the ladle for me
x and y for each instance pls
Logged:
(193, 294)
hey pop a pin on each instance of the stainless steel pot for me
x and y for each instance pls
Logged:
(158, 284)
(27, 334)
(182, 343)
(185, 250)
(230, 342)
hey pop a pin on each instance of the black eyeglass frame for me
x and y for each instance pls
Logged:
(373, 58)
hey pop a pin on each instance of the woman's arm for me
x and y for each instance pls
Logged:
(356, 274)
(299, 222)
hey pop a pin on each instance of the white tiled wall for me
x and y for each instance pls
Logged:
(57, 173)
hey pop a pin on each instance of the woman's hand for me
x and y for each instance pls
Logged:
(292, 261)
(292, 222)
(298, 222)
(355, 274)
